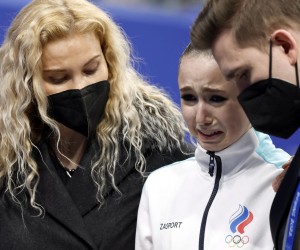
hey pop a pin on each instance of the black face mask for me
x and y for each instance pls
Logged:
(80, 109)
(273, 105)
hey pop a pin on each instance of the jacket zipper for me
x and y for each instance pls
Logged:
(212, 158)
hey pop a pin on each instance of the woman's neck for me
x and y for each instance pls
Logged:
(70, 148)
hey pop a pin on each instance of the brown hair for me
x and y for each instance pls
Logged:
(192, 51)
(251, 21)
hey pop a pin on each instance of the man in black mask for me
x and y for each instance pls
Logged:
(257, 44)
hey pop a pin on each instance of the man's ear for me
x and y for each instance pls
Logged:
(286, 40)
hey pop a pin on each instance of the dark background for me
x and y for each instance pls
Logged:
(158, 31)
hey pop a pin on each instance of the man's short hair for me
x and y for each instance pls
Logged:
(251, 21)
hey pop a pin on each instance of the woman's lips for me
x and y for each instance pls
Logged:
(209, 135)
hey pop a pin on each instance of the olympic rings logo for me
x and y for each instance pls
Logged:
(236, 240)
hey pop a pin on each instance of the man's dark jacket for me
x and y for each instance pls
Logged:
(282, 205)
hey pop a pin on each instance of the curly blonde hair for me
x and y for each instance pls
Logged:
(135, 112)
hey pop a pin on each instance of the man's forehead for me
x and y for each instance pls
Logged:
(228, 55)
(224, 45)
(230, 66)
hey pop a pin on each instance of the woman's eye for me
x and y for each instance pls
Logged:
(188, 98)
(243, 75)
(58, 80)
(90, 71)
(217, 98)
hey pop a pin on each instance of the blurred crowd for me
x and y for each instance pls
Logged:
(166, 3)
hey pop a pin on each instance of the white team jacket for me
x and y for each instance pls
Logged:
(174, 199)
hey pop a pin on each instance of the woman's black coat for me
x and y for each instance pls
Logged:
(72, 218)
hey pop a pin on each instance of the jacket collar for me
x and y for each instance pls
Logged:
(233, 158)
(69, 203)
(54, 198)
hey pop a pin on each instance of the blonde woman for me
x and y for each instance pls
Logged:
(79, 128)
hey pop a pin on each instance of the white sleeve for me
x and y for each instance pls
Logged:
(143, 238)
(267, 150)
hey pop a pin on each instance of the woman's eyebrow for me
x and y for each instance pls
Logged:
(92, 59)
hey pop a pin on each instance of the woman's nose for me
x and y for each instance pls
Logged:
(80, 82)
(203, 116)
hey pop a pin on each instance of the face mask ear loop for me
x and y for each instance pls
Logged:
(270, 60)
(297, 74)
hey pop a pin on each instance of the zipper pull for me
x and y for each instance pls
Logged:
(211, 163)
